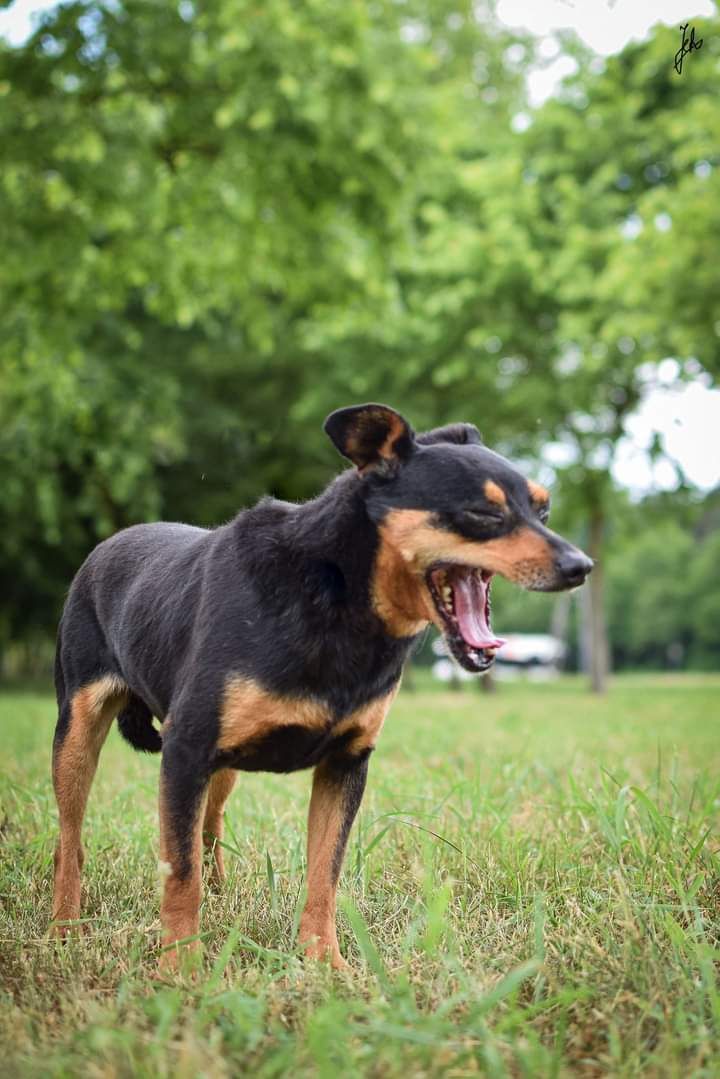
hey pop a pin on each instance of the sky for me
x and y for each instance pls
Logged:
(686, 416)
(605, 26)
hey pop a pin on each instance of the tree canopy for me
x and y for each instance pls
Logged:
(221, 221)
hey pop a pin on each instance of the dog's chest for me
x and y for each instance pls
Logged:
(263, 732)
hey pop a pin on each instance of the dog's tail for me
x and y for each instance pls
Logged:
(136, 726)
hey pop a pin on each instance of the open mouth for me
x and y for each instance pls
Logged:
(461, 596)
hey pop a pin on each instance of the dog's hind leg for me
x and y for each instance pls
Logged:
(84, 721)
(219, 790)
(338, 787)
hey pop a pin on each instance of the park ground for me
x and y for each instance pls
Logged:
(532, 889)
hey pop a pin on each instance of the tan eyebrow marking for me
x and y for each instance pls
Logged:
(495, 494)
(538, 493)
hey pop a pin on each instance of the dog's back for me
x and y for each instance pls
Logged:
(127, 610)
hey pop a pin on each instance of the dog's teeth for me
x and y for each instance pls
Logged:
(447, 594)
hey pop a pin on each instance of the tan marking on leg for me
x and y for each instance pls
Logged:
(538, 494)
(219, 790)
(523, 556)
(92, 710)
(327, 819)
(250, 712)
(317, 931)
(495, 494)
(180, 908)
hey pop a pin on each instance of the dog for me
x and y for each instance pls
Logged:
(277, 641)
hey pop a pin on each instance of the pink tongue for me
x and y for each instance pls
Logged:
(470, 594)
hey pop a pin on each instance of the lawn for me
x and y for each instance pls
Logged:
(532, 889)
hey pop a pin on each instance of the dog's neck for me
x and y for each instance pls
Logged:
(396, 593)
(336, 526)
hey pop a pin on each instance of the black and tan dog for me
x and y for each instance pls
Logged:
(277, 641)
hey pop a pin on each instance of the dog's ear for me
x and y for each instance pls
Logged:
(461, 433)
(371, 435)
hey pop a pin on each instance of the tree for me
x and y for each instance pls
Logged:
(616, 150)
(187, 219)
(205, 251)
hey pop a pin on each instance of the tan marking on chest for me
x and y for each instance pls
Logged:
(495, 494)
(366, 723)
(250, 712)
(538, 494)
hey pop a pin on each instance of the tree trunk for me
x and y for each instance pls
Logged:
(584, 629)
(488, 683)
(595, 642)
(560, 624)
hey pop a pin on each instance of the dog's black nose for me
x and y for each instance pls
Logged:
(573, 566)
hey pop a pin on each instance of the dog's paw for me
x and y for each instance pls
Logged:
(64, 926)
(324, 950)
(180, 961)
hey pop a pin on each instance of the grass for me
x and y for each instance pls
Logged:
(532, 889)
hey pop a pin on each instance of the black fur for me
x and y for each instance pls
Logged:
(462, 434)
(280, 595)
(370, 435)
(286, 749)
(135, 723)
(350, 775)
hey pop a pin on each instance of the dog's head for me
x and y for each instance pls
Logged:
(450, 514)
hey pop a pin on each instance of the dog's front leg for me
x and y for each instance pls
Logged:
(183, 795)
(338, 786)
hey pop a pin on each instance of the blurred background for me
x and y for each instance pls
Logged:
(222, 220)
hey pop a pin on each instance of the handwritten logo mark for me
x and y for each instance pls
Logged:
(687, 45)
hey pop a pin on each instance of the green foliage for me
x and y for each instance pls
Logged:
(221, 221)
(705, 600)
(662, 594)
(188, 220)
(651, 597)
(663, 599)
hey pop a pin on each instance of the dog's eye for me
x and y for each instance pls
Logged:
(544, 514)
(485, 518)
